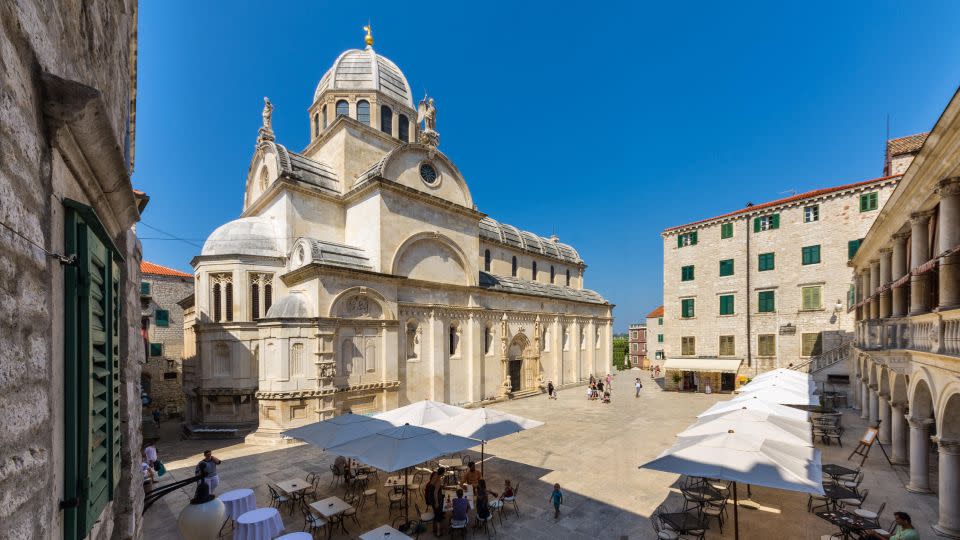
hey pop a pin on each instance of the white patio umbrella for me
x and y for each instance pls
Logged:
(484, 424)
(783, 396)
(782, 372)
(338, 430)
(793, 385)
(752, 422)
(421, 413)
(738, 457)
(753, 403)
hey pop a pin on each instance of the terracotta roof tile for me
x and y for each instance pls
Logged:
(158, 270)
(656, 313)
(786, 200)
(906, 145)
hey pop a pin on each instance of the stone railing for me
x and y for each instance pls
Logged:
(937, 332)
(825, 360)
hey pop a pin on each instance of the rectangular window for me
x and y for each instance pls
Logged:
(810, 255)
(810, 344)
(686, 273)
(156, 349)
(851, 296)
(726, 267)
(687, 239)
(811, 213)
(688, 345)
(659, 338)
(765, 261)
(727, 347)
(144, 288)
(726, 230)
(766, 223)
(726, 304)
(766, 345)
(869, 201)
(633, 347)
(686, 308)
(852, 247)
(811, 297)
(765, 302)
(162, 317)
(170, 376)
(660, 321)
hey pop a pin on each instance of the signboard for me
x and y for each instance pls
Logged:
(788, 330)
(869, 436)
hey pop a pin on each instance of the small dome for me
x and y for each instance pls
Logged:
(292, 306)
(244, 236)
(366, 70)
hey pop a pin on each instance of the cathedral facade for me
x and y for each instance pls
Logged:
(361, 276)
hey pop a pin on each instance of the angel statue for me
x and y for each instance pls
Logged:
(267, 113)
(427, 114)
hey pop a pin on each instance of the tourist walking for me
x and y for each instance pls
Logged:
(207, 468)
(639, 386)
(557, 499)
(550, 390)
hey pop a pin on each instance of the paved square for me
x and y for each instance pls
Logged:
(591, 449)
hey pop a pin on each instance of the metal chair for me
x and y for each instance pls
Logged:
(311, 522)
(855, 503)
(662, 534)
(337, 476)
(870, 514)
(277, 500)
(513, 499)
(716, 511)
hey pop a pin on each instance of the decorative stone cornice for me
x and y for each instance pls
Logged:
(951, 447)
(886, 251)
(921, 218)
(948, 187)
(919, 423)
(325, 392)
(901, 237)
(224, 391)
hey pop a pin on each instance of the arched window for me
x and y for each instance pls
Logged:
(363, 112)
(552, 273)
(267, 297)
(254, 301)
(217, 313)
(263, 179)
(534, 270)
(454, 339)
(229, 302)
(513, 270)
(568, 277)
(316, 124)
(487, 340)
(403, 128)
(343, 108)
(323, 113)
(486, 260)
(386, 120)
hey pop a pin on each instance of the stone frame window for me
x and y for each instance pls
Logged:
(726, 230)
(386, 120)
(487, 339)
(161, 317)
(727, 346)
(568, 277)
(811, 344)
(553, 274)
(222, 297)
(534, 267)
(343, 108)
(323, 114)
(726, 267)
(454, 339)
(403, 128)
(363, 112)
(687, 273)
(852, 247)
(810, 255)
(766, 223)
(261, 294)
(812, 298)
(766, 345)
(688, 345)
(486, 260)
(726, 304)
(869, 201)
(766, 302)
(811, 213)
(687, 308)
(766, 261)
(659, 338)
(513, 267)
(687, 239)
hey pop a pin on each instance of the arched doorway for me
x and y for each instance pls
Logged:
(523, 364)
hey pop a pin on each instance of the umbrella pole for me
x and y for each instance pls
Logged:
(736, 514)
(406, 496)
(482, 444)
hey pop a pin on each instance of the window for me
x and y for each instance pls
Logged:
(686, 273)
(229, 301)
(316, 124)
(659, 338)
(254, 301)
(634, 334)
(144, 288)
(343, 108)
(688, 345)
(852, 247)
(386, 120)
(568, 277)
(766, 223)
(267, 297)
(688, 239)
(686, 308)
(552, 273)
(363, 112)
(217, 297)
(726, 304)
(323, 114)
(727, 346)
(660, 321)
(765, 302)
(726, 267)
(811, 255)
(454, 339)
(486, 260)
(811, 297)
(487, 340)
(811, 213)
(170, 376)
(726, 230)
(534, 270)
(403, 128)
(868, 201)
(765, 261)
(513, 268)
(162, 317)
(766, 345)
(633, 347)
(810, 344)
(156, 349)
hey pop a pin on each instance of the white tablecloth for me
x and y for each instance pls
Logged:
(238, 502)
(296, 536)
(384, 532)
(259, 524)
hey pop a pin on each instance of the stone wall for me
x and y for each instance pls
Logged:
(166, 379)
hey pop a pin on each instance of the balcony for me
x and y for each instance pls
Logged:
(935, 332)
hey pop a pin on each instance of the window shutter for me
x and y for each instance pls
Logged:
(775, 221)
(679, 240)
(756, 224)
(693, 238)
(162, 317)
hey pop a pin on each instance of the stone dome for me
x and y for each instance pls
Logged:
(292, 306)
(244, 236)
(364, 70)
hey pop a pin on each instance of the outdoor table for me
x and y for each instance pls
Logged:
(293, 487)
(238, 502)
(296, 536)
(848, 522)
(258, 524)
(684, 522)
(835, 492)
(448, 503)
(394, 482)
(330, 507)
(834, 471)
(450, 463)
(383, 532)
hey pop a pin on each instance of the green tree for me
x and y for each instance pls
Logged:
(620, 347)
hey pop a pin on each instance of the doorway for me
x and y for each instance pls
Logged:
(516, 367)
(689, 382)
(727, 382)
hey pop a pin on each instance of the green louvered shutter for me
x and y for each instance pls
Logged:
(693, 238)
(679, 240)
(775, 221)
(756, 224)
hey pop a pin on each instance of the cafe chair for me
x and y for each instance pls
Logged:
(496, 507)
(459, 526)
(870, 514)
(662, 534)
(337, 476)
(311, 522)
(817, 501)
(513, 500)
(889, 530)
(855, 483)
(395, 498)
(850, 476)
(277, 500)
(716, 510)
(352, 514)
(855, 503)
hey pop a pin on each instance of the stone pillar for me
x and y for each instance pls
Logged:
(948, 227)
(874, 286)
(898, 433)
(864, 399)
(884, 435)
(919, 455)
(949, 489)
(898, 270)
(865, 288)
(874, 417)
(886, 261)
(919, 254)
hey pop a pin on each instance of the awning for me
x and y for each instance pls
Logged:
(712, 365)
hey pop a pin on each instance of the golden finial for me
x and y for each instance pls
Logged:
(369, 38)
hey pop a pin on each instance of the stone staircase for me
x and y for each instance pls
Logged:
(825, 360)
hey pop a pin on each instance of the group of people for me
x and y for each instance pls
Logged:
(460, 505)
(600, 390)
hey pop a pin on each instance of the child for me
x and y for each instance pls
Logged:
(557, 499)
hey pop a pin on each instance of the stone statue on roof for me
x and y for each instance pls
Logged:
(266, 130)
(427, 117)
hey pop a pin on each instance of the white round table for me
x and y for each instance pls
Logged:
(296, 536)
(259, 524)
(238, 502)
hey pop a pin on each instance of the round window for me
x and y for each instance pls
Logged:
(428, 173)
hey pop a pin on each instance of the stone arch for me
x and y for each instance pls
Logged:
(350, 304)
(883, 381)
(398, 166)
(949, 413)
(432, 256)
(873, 371)
(523, 361)
(898, 390)
(921, 399)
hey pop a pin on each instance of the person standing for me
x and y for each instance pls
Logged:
(150, 453)
(207, 468)
(639, 386)
(550, 390)
(557, 499)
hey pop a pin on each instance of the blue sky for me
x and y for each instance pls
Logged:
(602, 122)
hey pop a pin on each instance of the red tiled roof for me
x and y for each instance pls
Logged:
(158, 270)
(656, 313)
(778, 202)
(906, 145)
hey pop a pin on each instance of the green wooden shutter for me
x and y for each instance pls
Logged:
(693, 238)
(775, 221)
(679, 240)
(162, 317)
(852, 247)
(756, 224)
(726, 230)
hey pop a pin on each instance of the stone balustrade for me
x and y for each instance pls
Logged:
(936, 332)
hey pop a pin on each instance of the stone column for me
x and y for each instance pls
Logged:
(886, 261)
(948, 226)
(874, 285)
(864, 399)
(884, 435)
(898, 270)
(874, 417)
(898, 433)
(949, 488)
(919, 455)
(919, 254)
(865, 287)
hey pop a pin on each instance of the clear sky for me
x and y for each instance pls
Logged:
(602, 122)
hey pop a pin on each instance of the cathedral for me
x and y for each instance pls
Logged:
(360, 276)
